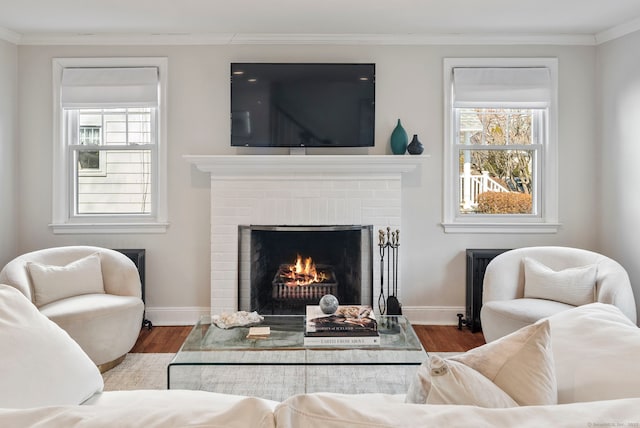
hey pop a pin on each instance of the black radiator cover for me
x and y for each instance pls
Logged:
(137, 256)
(477, 261)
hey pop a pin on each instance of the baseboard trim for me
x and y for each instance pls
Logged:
(433, 315)
(189, 315)
(165, 316)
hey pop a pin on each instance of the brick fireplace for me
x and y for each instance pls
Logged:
(282, 269)
(319, 190)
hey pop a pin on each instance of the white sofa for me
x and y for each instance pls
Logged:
(103, 316)
(597, 376)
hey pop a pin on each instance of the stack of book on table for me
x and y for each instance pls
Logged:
(349, 325)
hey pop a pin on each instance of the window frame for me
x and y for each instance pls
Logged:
(545, 194)
(64, 220)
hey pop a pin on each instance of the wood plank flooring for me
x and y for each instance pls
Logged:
(434, 338)
(161, 339)
(447, 338)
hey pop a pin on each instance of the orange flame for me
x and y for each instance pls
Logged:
(302, 273)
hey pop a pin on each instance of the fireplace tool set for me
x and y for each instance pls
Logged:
(389, 242)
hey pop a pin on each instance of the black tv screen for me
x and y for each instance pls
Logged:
(302, 105)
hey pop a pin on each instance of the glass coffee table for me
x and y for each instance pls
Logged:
(224, 360)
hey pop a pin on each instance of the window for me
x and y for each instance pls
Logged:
(110, 153)
(123, 159)
(500, 145)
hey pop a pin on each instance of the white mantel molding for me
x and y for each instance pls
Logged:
(372, 166)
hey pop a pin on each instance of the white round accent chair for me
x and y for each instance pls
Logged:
(524, 285)
(92, 293)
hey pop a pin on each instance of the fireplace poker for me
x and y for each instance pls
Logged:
(381, 299)
(389, 237)
(395, 266)
(389, 242)
(393, 305)
(395, 269)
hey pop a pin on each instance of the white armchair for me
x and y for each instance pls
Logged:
(95, 299)
(506, 306)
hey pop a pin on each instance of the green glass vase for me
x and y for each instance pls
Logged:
(399, 140)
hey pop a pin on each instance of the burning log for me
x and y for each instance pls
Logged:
(301, 273)
(303, 280)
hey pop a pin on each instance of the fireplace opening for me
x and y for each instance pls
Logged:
(283, 269)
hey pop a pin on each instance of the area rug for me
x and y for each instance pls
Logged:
(138, 371)
(149, 371)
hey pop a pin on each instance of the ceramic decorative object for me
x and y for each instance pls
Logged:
(399, 140)
(415, 147)
(329, 304)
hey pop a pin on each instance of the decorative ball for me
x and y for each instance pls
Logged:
(329, 304)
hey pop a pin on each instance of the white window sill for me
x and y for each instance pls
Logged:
(501, 227)
(94, 228)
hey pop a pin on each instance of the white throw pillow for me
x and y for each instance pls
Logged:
(574, 286)
(440, 381)
(519, 365)
(53, 283)
(40, 365)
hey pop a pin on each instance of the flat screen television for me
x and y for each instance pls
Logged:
(302, 105)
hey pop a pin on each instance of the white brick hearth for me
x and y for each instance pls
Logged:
(296, 190)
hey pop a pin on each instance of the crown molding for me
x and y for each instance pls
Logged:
(10, 36)
(305, 39)
(125, 39)
(415, 39)
(131, 39)
(617, 31)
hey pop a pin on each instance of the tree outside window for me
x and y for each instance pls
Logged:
(497, 172)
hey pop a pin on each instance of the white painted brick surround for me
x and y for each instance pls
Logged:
(296, 190)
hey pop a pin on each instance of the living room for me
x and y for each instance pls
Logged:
(597, 87)
(595, 98)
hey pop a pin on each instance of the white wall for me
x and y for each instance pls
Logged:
(409, 86)
(619, 156)
(8, 150)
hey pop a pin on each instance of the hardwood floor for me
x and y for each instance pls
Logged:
(161, 339)
(447, 338)
(434, 338)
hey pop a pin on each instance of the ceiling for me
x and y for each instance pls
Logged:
(581, 21)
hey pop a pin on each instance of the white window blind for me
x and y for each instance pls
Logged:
(501, 87)
(104, 87)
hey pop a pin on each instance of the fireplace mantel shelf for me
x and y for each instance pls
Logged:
(283, 165)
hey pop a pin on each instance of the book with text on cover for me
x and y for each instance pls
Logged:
(346, 319)
(342, 340)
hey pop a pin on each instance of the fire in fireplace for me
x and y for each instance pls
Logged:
(284, 268)
(304, 281)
